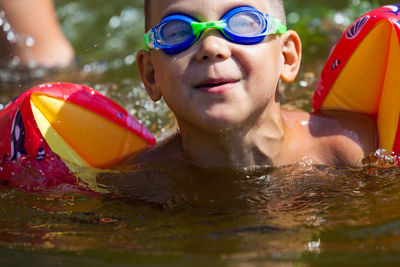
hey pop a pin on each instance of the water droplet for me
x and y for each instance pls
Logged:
(15, 61)
(6, 27)
(114, 22)
(340, 18)
(303, 83)
(314, 246)
(129, 60)
(11, 37)
(293, 17)
(87, 68)
(32, 64)
(29, 41)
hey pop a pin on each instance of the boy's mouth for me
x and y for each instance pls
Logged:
(216, 85)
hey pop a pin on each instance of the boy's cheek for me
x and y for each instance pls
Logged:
(170, 64)
(259, 56)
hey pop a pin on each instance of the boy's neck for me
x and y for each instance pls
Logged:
(254, 144)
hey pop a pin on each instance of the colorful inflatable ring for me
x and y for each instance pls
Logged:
(362, 73)
(53, 127)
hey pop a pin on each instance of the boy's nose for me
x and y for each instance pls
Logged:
(212, 47)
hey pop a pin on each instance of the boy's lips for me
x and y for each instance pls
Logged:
(216, 85)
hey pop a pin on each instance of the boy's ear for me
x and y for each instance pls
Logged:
(147, 74)
(291, 52)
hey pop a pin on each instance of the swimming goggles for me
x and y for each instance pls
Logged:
(242, 25)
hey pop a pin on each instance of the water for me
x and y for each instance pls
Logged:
(292, 214)
(174, 215)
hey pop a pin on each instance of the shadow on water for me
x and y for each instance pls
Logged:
(172, 214)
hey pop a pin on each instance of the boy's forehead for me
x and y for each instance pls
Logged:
(207, 9)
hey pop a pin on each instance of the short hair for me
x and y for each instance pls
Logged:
(147, 13)
(275, 6)
(277, 9)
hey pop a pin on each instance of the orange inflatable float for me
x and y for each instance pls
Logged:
(362, 73)
(52, 130)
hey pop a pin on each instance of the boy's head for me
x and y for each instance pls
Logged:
(216, 83)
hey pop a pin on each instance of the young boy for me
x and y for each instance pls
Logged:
(223, 89)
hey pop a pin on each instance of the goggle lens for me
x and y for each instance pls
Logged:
(246, 24)
(175, 32)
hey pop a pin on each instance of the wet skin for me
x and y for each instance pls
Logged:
(331, 138)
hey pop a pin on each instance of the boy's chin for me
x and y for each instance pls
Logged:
(216, 119)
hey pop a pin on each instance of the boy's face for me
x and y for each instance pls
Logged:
(214, 84)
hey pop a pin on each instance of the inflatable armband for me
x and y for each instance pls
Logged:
(58, 123)
(362, 73)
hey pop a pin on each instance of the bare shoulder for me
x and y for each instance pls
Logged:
(167, 150)
(335, 138)
(345, 137)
